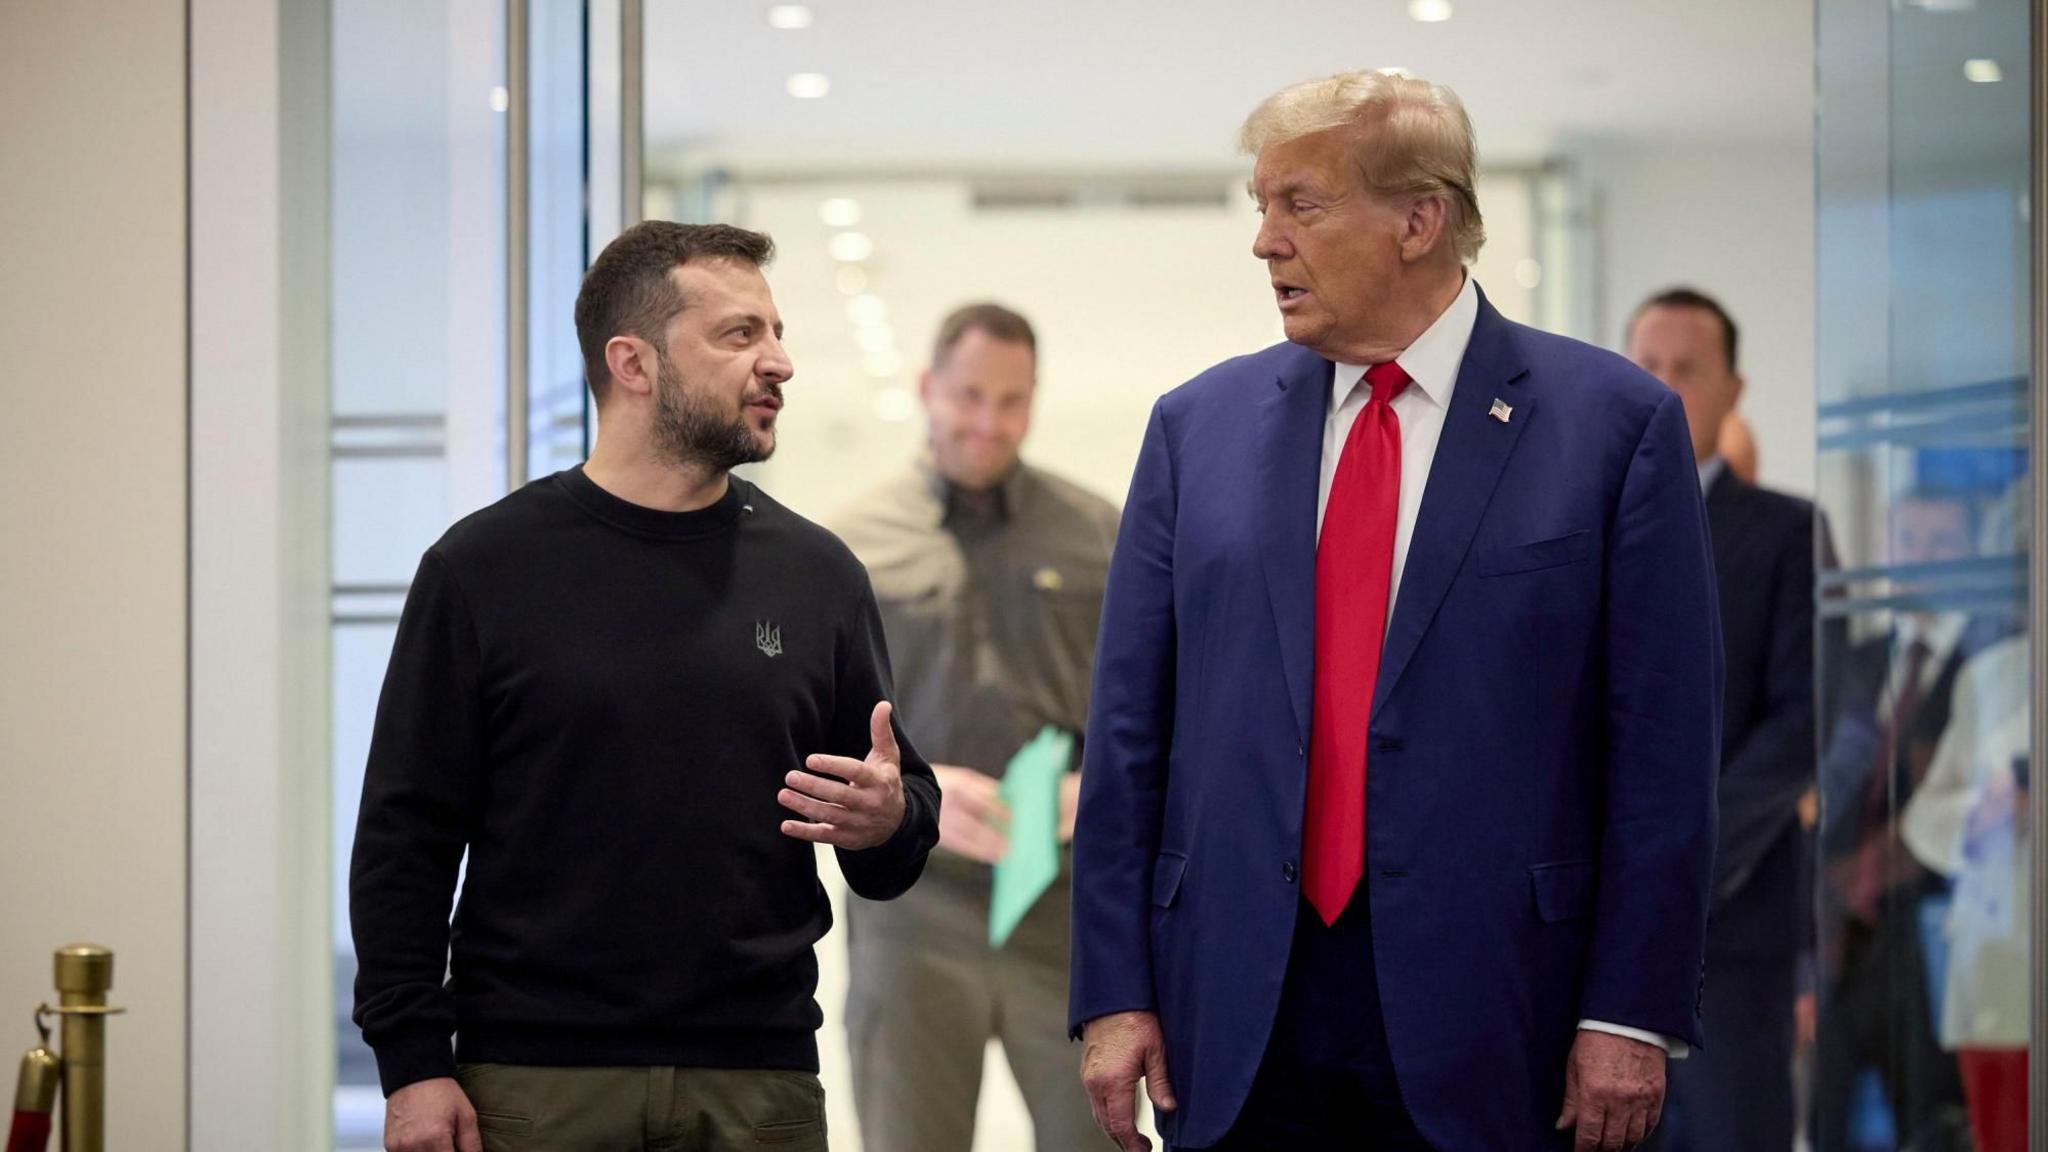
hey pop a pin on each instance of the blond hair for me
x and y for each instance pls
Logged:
(1413, 139)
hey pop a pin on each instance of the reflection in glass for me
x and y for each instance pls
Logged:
(1923, 849)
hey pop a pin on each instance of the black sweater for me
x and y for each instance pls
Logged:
(599, 701)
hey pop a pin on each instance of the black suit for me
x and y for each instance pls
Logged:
(1735, 1093)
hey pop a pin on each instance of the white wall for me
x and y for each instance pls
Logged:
(92, 462)
(261, 1031)
(1735, 220)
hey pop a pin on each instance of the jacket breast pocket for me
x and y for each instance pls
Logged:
(1167, 870)
(1537, 555)
(1564, 891)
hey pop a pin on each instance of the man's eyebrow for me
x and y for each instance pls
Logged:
(752, 319)
(1284, 191)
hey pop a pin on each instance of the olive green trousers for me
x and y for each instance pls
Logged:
(529, 1109)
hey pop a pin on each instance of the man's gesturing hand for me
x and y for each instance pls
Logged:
(1613, 1092)
(1115, 1051)
(862, 812)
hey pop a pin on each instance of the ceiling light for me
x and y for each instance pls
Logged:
(1429, 11)
(809, 85)
(875, 340)
(882, 364)
(1528, 273)
(866, 310)
(789, 17)
(500, 99)
(894, 405)
(1982, 71)
(851, 247)
(839, 212)
(852, 280)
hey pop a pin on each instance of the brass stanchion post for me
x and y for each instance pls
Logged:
(85, 973)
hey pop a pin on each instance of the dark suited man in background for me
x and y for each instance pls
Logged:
(1735, 1095)
(1398, 815)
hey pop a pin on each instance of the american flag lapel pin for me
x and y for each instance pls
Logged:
(1501, 411)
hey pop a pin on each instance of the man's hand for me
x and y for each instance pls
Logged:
(1117, 1050)
(972, 816)
(862, 812)
(431, 1116)
(1613, 1091)
(1070, 805)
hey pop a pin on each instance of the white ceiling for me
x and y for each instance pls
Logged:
(1136, 84)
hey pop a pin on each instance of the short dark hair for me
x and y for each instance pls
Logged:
(1684, 297)
(627, 290)
(1004, 324)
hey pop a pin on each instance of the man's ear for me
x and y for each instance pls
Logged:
(633, 364)
(1423, 229)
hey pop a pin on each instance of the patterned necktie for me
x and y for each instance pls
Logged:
(1354, 575)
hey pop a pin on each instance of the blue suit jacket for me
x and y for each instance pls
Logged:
(1540, 800)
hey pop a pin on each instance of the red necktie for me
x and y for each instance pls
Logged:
(1354, 572)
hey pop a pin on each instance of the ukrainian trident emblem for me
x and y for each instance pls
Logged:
(768, 638)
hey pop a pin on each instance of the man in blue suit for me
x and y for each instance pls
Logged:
(1737, 1097)
(1397, 817)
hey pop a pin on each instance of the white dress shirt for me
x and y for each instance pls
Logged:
(1710, 471)
(1432, 363)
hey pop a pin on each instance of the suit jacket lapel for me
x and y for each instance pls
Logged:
(1290, 462)
(1470, 454)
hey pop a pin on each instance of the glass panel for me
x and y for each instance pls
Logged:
(1925, 317)
(418, 204)
(418, 436)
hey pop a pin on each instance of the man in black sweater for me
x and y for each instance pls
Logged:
(636, 693)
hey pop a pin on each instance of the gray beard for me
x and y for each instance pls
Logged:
(689, 431)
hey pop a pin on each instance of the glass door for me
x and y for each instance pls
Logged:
(423, 238)
(1927, 327)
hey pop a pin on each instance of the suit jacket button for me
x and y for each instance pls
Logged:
(1288, 870)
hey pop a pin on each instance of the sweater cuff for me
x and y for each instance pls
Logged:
(888, 869)
(413, 1057)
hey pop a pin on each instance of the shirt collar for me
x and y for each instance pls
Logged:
(949, 499)
(1710, 471)
(1941, 633)
(1432, 362)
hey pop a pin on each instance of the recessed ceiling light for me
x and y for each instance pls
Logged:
(894, 405)
(851, 247)
(1429, 11)
(789, 17)
(809, 85)
(852, 280)
(839, 212)
(1982, 71)
(874, 339)
(501, 99)
(867, 310)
